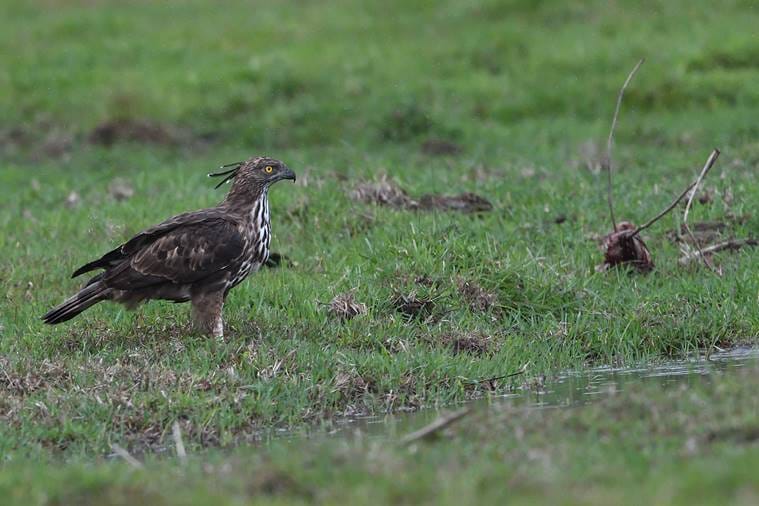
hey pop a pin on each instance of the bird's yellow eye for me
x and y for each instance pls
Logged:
(269, 169)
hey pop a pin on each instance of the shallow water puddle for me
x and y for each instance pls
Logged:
(568, 389)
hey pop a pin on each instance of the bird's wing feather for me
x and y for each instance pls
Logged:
(186, 254)
(144, 238)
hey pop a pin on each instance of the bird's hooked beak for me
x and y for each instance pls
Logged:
(287, 174)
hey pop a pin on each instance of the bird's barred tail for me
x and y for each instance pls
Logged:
(87, 296)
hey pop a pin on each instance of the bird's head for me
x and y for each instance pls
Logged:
(253, 177)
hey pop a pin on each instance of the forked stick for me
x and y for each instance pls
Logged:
(707, 166)
(606, 162)
(732, 244)
(693, 186)
(665, 211)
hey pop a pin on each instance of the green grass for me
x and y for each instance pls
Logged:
(692, 442)
(344, 93)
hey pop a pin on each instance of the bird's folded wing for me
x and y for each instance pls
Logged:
(146, 237)
(186, 254)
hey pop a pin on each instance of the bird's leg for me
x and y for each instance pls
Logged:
(206, 310)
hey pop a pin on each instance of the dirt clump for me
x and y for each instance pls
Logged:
(440, 147)
(478, 299)
(345, 307)
(623, 247)
(112, 131)
(472, 343)
(388, 193)
(412, 306)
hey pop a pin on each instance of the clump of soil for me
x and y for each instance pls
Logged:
(112, 131)
(387, 193)
(383, 192)
(479, 299)
(472, 343)
(621, 247)
(440, 147)
(345, 307)
(465, 202)
(412, 306)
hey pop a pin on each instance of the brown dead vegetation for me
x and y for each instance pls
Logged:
(478, 299)
(387, 193)
(440, 147)
(705, 232)
(144, 131)
(345, 307)
(412, 306)
(473, 343)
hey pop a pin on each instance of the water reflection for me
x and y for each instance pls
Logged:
(568, 389)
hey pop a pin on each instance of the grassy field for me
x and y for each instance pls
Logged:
(114, 112)
(692, 443)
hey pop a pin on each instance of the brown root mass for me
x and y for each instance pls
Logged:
(621, 247)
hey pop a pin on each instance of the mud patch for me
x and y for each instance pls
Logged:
(143, 131)
(387, 193)
(465, 202)
(42, 139)
(440, 147)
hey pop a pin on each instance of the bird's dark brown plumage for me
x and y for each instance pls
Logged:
(197, 256)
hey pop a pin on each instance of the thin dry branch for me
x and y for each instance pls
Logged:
(436, 426)
(178, 443)
(664, 212)
(732, 244)
(121, 452)
(521, 371)
(606, 162)
(707, 166)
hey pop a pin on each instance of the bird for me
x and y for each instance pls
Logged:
(195, 257)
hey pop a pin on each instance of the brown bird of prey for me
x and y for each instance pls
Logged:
(197, 256)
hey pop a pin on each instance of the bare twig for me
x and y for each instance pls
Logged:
(708, 165)
(732, 244)
(521, 370)
(436, 426)
(606, 162)
(178, 443)
(665, 211)
(121, 452)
